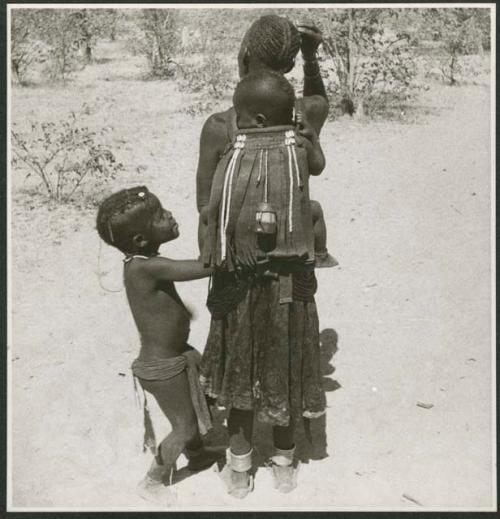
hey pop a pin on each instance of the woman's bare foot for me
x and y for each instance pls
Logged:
(239, 484)
(285, 478)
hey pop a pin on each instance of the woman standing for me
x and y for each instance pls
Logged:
(262, 357)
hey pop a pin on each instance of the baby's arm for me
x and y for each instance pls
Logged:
(315, 157)
(165, 269)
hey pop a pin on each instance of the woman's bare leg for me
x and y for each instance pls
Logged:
(284, 473)
(240, 428)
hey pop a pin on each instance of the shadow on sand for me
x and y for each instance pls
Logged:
(310, 434)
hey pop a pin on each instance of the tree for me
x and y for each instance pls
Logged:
(157, 39)
(460, 31)
(25, 49)
(370, 61)
(93, 24)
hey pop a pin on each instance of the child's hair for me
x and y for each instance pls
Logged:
(275, 41)
(124, 214)
(266, 92)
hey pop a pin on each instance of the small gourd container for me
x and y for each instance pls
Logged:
(265, 219)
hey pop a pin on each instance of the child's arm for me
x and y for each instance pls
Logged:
(315, 157)
(165, 269)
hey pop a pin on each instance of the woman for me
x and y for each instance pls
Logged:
(263, 357)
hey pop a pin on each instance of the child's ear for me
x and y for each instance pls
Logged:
(261, 120)
(139, 241)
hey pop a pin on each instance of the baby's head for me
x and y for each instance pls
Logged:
(133, 220)
(264, 98)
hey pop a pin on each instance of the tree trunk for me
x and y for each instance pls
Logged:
(452, 71)
(360, 111)
(350, 54)
(88, 53)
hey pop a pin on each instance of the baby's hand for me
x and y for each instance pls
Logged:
(303, 127)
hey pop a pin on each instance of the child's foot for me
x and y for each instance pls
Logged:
(204, 458)
(155, 491)
(324, 260)
(285, 478)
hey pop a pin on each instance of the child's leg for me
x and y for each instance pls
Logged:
(323, 258)
(284, 448)
(174, 399)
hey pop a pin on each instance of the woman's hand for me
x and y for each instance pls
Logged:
(310, 40)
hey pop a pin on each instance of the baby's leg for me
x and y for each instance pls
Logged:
(323, 258)
(174, 399)
(284, 473)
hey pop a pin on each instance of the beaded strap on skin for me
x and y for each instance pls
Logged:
(292, 162)
(226, 193)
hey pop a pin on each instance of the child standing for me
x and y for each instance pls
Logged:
(134, 221)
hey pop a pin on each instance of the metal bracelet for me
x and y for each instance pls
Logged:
(239, 462)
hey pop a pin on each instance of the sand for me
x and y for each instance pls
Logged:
(405, 318)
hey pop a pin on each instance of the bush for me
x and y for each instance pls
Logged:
(368, 65)
(61, 31)
(25, 49)
(61, 39)
(63, 156)
(156, 40)
(212, 77)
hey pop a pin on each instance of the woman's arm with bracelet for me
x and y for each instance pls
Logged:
(311, 38)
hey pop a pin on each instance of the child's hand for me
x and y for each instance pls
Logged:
(304, 128)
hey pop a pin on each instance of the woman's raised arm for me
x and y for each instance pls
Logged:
(315, 100)
(310, 40)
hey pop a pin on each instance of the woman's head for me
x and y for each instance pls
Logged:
(133, 220)
(271, 42)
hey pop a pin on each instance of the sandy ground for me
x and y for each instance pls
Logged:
(404, 319)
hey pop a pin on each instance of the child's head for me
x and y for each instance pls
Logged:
(133, 220)
(262, 99)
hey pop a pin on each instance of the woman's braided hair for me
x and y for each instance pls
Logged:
(114, 223)
(275, 41)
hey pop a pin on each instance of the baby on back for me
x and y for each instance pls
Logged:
(259, 207)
